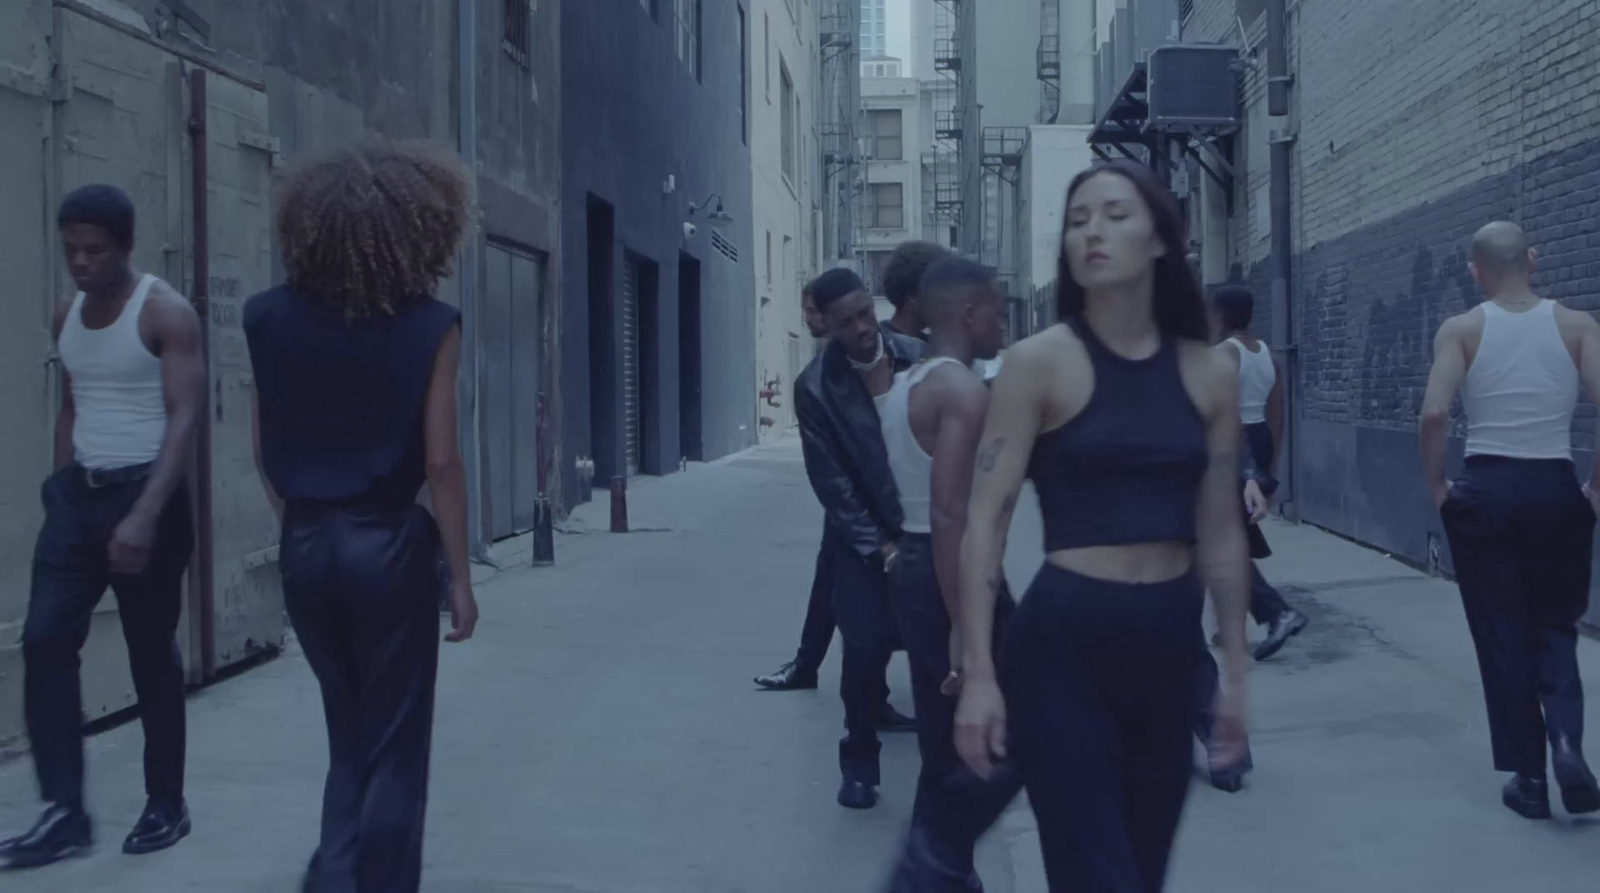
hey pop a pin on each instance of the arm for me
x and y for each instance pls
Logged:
(832, 484)
(1009, 430)
(954, 454)
(1444, 380)
(447, 479)
(255, 447)
(68, 416)
(1275, 421)
(1589, 371)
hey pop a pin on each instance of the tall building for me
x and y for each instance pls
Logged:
(874, 29)
(890, 207)
(786, 183)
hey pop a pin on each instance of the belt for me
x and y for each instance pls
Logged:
(97, 478)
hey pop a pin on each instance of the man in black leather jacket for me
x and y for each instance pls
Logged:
(849, 471)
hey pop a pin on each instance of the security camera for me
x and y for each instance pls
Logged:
(689, 231)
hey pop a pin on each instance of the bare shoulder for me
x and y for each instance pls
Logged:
(168, 302)
(1575, 320)
(1211, 377)
(1041, 350)
(63, 308)
(1462, 325)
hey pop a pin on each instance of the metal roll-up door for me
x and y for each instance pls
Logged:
(630, 364)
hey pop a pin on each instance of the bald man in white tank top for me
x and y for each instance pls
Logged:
(1520, 526)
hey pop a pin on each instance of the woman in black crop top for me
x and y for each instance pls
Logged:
(355, 389)
(1128, 424)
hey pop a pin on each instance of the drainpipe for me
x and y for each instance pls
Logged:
(1283, 339)
(204, 563)
(467, 100)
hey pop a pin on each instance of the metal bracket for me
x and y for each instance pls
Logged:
(255, 139)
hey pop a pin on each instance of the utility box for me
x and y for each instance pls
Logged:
(1194, 85)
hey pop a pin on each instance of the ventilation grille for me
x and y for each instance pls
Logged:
(724, 247)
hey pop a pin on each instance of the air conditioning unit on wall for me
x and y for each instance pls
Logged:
(1193, 85)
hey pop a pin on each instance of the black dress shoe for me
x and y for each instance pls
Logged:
(161, 826)
(1527, 797)
(790, 677)
(61, 833)
(857, 795)
(1279, 632)
(1580, 793)
(895, 721)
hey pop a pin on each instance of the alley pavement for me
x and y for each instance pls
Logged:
(601, 734)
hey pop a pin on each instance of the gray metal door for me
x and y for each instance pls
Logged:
(527, 358)
(498, 399)
(630, 364)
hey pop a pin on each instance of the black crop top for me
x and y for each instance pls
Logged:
(1127, 468)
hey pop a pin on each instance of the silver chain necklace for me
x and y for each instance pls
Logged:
(868, 367)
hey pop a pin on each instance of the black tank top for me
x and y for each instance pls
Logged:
(341, 400)
(1127, 468)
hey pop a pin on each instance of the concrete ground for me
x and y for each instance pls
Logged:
(601, 735)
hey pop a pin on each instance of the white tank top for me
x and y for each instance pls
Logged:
(1521, 387)
(1257, 375)
(121, 414)
(908, 461)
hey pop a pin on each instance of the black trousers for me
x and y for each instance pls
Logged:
(1521, 534)
(817, 633)
(1100, 680)
(954, 807)
(71, 571)
(361, 585)
(866, 624)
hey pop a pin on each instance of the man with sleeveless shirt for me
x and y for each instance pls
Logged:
(837, 399)
(1520, 526)
(117, 516)
(932, 420)
(1261, 412)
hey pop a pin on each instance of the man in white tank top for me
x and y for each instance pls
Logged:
(1261, 412)
(932, 418)
(1520, 527)
(117, 516)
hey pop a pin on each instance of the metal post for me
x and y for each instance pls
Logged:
(1282, 302)
(544, 546)
(619, 504)
(471, 421)
(202, 304)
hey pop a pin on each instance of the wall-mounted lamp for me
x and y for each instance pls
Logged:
(718, 217)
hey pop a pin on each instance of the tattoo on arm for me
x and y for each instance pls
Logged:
(989, 454)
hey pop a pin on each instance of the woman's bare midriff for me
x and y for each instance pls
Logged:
(1135, 563)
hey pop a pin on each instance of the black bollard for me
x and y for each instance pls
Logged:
(619, 504)
(544, 545)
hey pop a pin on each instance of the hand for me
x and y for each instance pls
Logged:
(131, 543)
(463, 611)
(981, 725)
(1441, 492)
(1255, 502)
(952, 682)
(1230, 739)
(890, 553)
(1594, 499)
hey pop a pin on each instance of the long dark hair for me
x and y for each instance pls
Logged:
(1179, 303)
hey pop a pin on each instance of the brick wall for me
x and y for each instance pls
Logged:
(1417, 121)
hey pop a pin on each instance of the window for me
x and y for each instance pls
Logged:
(1185, 7)
(787, 132)
(883, 130)
(744, 82)
(766, 53)
(518, 39)
(886, 208)
(688, 27)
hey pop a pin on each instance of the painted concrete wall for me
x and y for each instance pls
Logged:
(1418, 122)
(1055, 154)
(786, 208)
(903, 95)
(634, 115)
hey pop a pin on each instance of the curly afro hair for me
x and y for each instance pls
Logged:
(374, 226)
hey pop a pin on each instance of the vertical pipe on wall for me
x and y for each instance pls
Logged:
(201, 296)
(1283, 339)
(467, 275)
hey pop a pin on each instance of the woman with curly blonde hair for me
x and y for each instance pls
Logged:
(355, 369)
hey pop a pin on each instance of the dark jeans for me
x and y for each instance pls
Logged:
(867, 627)
(1521, 534)
(362, 589)
(1100, 681)
(954, 807)
(1266, 604)
(71, 571)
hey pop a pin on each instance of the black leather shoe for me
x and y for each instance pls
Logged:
(1527, 797)
(61, 833)
(857, 795)
(1230, 780)
(1580, 793)
(159, 827)
(1288, 625)
(895, 721)
(790, 677)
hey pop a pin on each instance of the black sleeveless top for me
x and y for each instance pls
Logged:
(341, 401)
(1127, 468)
